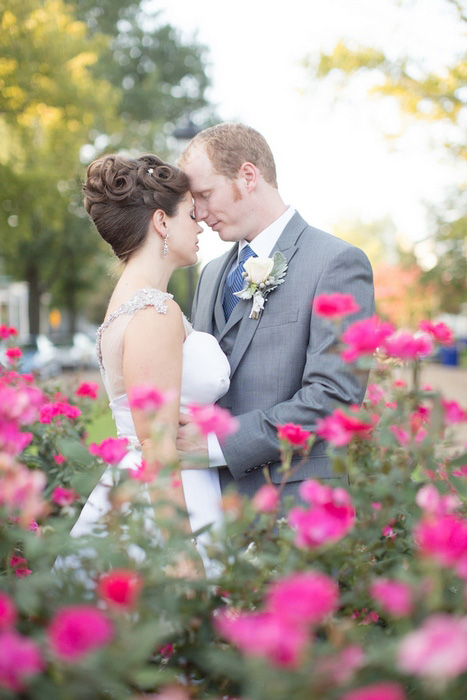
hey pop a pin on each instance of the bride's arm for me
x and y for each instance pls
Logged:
(152, 355)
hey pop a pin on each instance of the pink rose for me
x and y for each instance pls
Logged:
(8, 613)
(364, 337)
(145, 471)
(302, 598)
(20, 658)
(294, 435)
(335, 306)
(77, 630)
(63, 497)
(213, 419)
(406, 346)
(443, 539)
(377, 691)
(395, 597)
(89, 389)
(330, 517)
(340, 428)
(13, 354)
(266, 499)
(264, 635)
(437, 649)
(453, 413)
(148, 398)
(439, 331)
(120, 588)
(111, 450)
(59, 459)
(7, 331)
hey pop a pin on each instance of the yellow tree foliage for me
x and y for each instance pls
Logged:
(400, 295)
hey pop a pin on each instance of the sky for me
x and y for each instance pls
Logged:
(332, 158)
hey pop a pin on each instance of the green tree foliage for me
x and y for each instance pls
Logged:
(77, 80)
(434, 97)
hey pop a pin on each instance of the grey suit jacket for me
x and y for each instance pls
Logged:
(283, 367)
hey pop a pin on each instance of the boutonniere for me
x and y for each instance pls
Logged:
(262, 275)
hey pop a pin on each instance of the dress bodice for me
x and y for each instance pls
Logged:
(205, 368)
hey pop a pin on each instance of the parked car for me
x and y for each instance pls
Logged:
(78, 352)
(39, 356)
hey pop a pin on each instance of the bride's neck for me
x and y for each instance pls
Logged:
(144, 271)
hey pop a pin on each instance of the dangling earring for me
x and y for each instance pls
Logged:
(166, 245)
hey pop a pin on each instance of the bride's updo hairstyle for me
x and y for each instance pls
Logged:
(121, 195)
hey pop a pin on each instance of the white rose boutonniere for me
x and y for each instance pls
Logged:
(262, 275)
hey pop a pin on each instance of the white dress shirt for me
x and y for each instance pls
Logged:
(262, 246)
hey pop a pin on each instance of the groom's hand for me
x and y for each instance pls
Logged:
(192, 447)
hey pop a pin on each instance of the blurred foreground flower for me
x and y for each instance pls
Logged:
(120, 588)
(20, 658)
(213, 419)
(330, 517)
(111, 450)
(77, 630)
(335, 306)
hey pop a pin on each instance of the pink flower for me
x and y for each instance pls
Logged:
(59, 408)
(13, 354)
(21, 491)
(166, 651)
(213, 419)
(376, 691)
(12, 439)
(437, 649)
(330, 517)
(443, 539)
(120, 588)
(20, 658)
(404, 437)
(266, 499)
(439, 331)
(77, 630)
(461, 471)
(7, 331)
(89, 389)
(59, 459)
(303, 598)
(395, 597)
(340, 667)
(8, 613)
(406, 346)
(64, 497)
(145, 471)
(430, 500)
(111, 450)
(335, 306)
(148, 398)
(374, 393)
(388, 532)
(364, 337)
(453, 413)
(294, 435)
(365, 617)
(339, 428)
(263, 635)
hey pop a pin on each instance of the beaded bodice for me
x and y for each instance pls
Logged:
(141, 300)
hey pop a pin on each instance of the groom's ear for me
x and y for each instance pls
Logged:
(159, 221)
(249, 174)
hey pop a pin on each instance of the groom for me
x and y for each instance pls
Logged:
(283, 367)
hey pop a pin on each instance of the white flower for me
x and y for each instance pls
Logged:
(258, 269)
(262, 275)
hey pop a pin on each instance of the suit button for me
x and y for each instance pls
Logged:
(247, 471)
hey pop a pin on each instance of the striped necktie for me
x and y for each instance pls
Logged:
(235, 282)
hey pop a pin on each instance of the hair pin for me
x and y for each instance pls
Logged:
(150, 171)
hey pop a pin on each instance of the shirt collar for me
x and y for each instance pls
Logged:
(265, 241)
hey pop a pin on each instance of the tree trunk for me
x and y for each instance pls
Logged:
(32, 278)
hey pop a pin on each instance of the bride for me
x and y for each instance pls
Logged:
(143, 208)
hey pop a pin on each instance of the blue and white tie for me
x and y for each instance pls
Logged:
(235, 282)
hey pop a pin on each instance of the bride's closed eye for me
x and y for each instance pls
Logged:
(192, 216)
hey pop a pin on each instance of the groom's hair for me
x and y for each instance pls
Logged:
(121, 195)
(229, 145)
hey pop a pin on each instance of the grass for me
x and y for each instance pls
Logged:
(102, 425)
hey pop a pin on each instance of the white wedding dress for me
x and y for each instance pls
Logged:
(205, 378)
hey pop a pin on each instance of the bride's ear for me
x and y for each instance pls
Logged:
(159, 221)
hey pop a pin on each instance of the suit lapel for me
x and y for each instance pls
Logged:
(286, 245)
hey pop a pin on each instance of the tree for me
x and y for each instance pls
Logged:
(49, 100)
(435, 97)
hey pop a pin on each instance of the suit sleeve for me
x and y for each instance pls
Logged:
(327, 381)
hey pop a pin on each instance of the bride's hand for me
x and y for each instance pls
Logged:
(192, 447)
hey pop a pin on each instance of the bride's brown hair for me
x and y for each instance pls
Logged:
(121, 194)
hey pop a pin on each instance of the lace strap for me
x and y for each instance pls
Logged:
(141, 300)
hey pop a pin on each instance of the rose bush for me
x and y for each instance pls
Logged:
(360, 594)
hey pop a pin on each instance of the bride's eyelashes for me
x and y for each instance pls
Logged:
(192, 216)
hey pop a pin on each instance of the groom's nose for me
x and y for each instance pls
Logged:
(201, 211)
